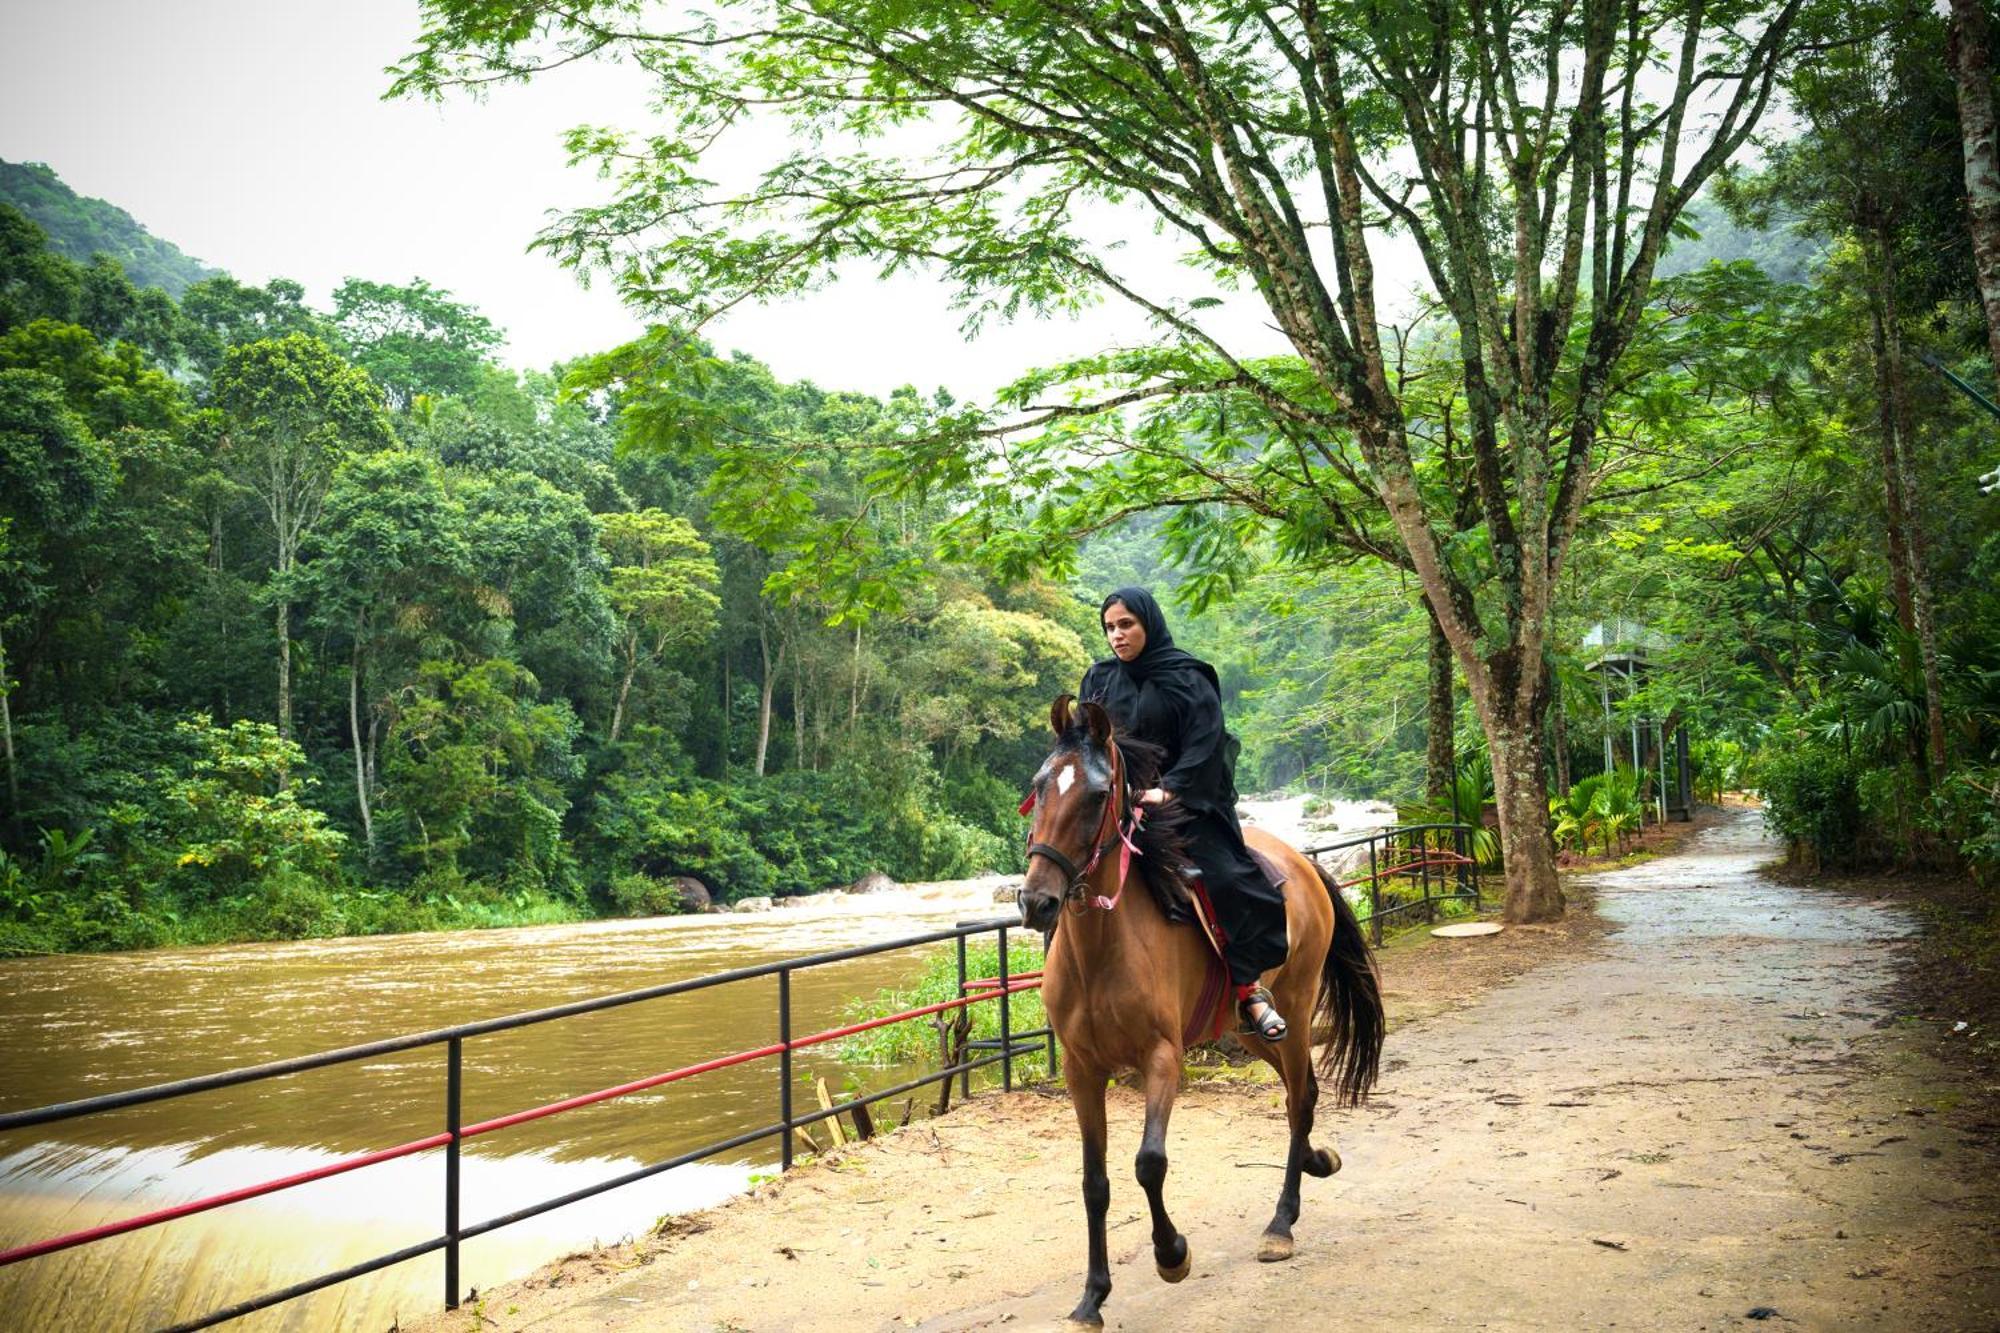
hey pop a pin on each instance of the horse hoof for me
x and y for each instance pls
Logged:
(1075, 1325)
(1274, 1250)
(1179, 1270)
(1322, 1163)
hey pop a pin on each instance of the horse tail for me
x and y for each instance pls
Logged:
(1348, 1018)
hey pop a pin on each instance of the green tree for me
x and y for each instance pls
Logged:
(662, 584)
(390, 545)
(293, 412)
(220, 313)
(413, 339)
(1546, 152)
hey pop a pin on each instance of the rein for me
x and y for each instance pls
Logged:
(1111, 829)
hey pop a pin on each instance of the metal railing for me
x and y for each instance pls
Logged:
(976, 1055)
(1412, 855)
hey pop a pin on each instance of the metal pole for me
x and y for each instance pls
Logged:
(1424, 871)
(1006, 1022)
(1604, 687)
(785, 1067)
(453, 1088)
(1374, 896)
(1661, 728)
(964, 1075)
(1461, 843)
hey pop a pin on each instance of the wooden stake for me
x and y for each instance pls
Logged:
(832, 1122)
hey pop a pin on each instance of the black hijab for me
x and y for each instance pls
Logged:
(1159, 654)
(1169, 697)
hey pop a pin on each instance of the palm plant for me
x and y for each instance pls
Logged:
(1575, 813)
(1616, 805)
(1463, 801)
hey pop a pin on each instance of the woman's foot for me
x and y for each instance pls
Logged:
(1260, 1015)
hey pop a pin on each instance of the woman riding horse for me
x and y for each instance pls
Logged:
(1168, 697)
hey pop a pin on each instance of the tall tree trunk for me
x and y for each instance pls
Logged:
(360, 748)
(727, 729)
(1970, 48)
(854, 689)
(1439, 718)
(7, 729)
(1558, 733)
(798, 710)
(625, 685)
(1901, 486)
(1521, 792)
(284, 625)
(764, 701)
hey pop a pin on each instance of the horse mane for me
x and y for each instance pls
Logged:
(1162, 840)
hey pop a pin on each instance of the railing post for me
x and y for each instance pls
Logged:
(1374, 897)
(453, 1087)
(785, 1066)
(1424, 837)
(964, 1075)
(1006, 1022)
(1461, 845)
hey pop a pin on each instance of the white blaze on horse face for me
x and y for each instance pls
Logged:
(1065, 779)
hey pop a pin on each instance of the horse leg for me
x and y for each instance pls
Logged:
(1301, 1095)
(1086, 1095)
(1163, 1077)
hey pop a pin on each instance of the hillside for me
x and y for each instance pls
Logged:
(79, 227)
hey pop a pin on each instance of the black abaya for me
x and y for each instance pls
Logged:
(1172, 699)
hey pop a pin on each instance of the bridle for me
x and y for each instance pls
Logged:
(1113, 829)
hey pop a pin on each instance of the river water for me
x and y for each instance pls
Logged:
(83, 1025)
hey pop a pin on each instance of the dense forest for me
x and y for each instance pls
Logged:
(321, 620)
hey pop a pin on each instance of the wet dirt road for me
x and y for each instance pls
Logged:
(1717, 1111)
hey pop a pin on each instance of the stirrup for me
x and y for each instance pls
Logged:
(1270, 1026)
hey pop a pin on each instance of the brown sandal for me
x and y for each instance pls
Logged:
(1266, 1024)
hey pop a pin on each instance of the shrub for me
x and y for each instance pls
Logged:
(1812, 799)
(1965, 812)
(643, 895)
(291, 905)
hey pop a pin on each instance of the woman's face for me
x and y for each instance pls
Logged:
(1123, 632)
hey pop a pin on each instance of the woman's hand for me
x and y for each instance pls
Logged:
(1155, 796)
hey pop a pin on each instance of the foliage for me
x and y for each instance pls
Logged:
(1465, 802)
(413, 340)
(1812, 800)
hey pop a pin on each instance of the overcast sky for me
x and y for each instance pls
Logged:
(252, 134)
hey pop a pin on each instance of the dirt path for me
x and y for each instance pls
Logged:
(1714, 1111)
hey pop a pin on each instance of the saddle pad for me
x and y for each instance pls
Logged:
(1272, 873)
(1212, 1008)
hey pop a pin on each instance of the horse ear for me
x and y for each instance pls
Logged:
(1098, 721)
(1059, 714)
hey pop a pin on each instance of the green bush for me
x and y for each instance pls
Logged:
(292, 905)
(1965, 812)
(634, 894)
(1812, 799)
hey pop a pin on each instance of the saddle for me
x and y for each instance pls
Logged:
(1211, 1011)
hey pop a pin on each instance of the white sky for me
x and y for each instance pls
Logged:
(253, 136)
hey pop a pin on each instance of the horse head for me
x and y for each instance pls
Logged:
(1077, 797)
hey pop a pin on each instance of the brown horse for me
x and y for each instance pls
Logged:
(1122, 983)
